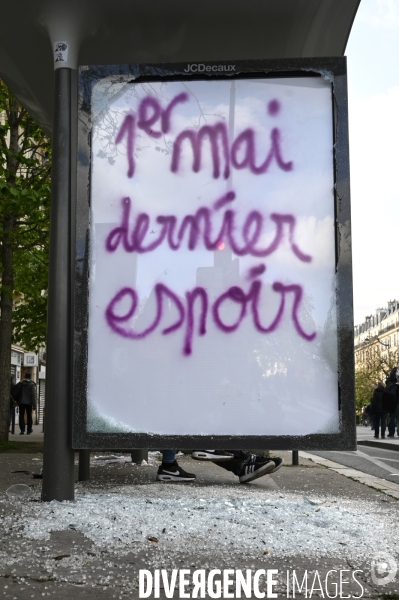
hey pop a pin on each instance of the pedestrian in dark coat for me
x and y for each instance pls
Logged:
(25, 394)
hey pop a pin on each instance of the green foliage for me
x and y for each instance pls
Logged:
(365, 385)
(30, 314)
(25, 161)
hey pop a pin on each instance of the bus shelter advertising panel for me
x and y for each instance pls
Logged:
(213, 291)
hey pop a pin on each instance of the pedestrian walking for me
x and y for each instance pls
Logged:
(25, 394)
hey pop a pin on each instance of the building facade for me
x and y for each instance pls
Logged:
(377, 339)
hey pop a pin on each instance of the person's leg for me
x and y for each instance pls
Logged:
(22, 417)
(383, 423)
(376, 421)
(169, 455)
(29, 418)
(391, 424)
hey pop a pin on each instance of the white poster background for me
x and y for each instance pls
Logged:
(241, 382)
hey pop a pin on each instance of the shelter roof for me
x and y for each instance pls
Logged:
(154, 31)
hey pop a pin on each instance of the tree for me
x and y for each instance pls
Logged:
(25, 159)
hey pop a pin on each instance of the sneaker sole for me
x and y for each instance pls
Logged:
(265, 470)
(172, 478)
(277, 467)
(205, 456)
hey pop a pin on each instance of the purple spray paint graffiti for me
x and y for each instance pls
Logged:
(249, 302)
(150, 113)
(215, 133)
(198, 228)
(208, 227)
(146, 122)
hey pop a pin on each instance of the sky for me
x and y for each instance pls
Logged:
(373, 81)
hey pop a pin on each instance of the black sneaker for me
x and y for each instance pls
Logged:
(251, 469)
(260, 458)
(172, 472)
(212, 455)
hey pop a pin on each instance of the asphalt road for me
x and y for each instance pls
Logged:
(375, 461)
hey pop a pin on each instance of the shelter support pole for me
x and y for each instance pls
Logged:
(58, 459)
(139, 454)
(84, 465)
(295, 457)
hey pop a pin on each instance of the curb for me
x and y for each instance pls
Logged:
(382, 485)
(383, 445)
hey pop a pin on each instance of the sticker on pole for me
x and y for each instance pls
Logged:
(60, 52)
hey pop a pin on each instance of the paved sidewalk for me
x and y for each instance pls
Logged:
(312, 519)
(36, 436)
(365, 437)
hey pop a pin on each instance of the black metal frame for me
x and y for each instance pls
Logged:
(335, 70)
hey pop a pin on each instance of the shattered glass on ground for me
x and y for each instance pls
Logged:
(247, 520)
